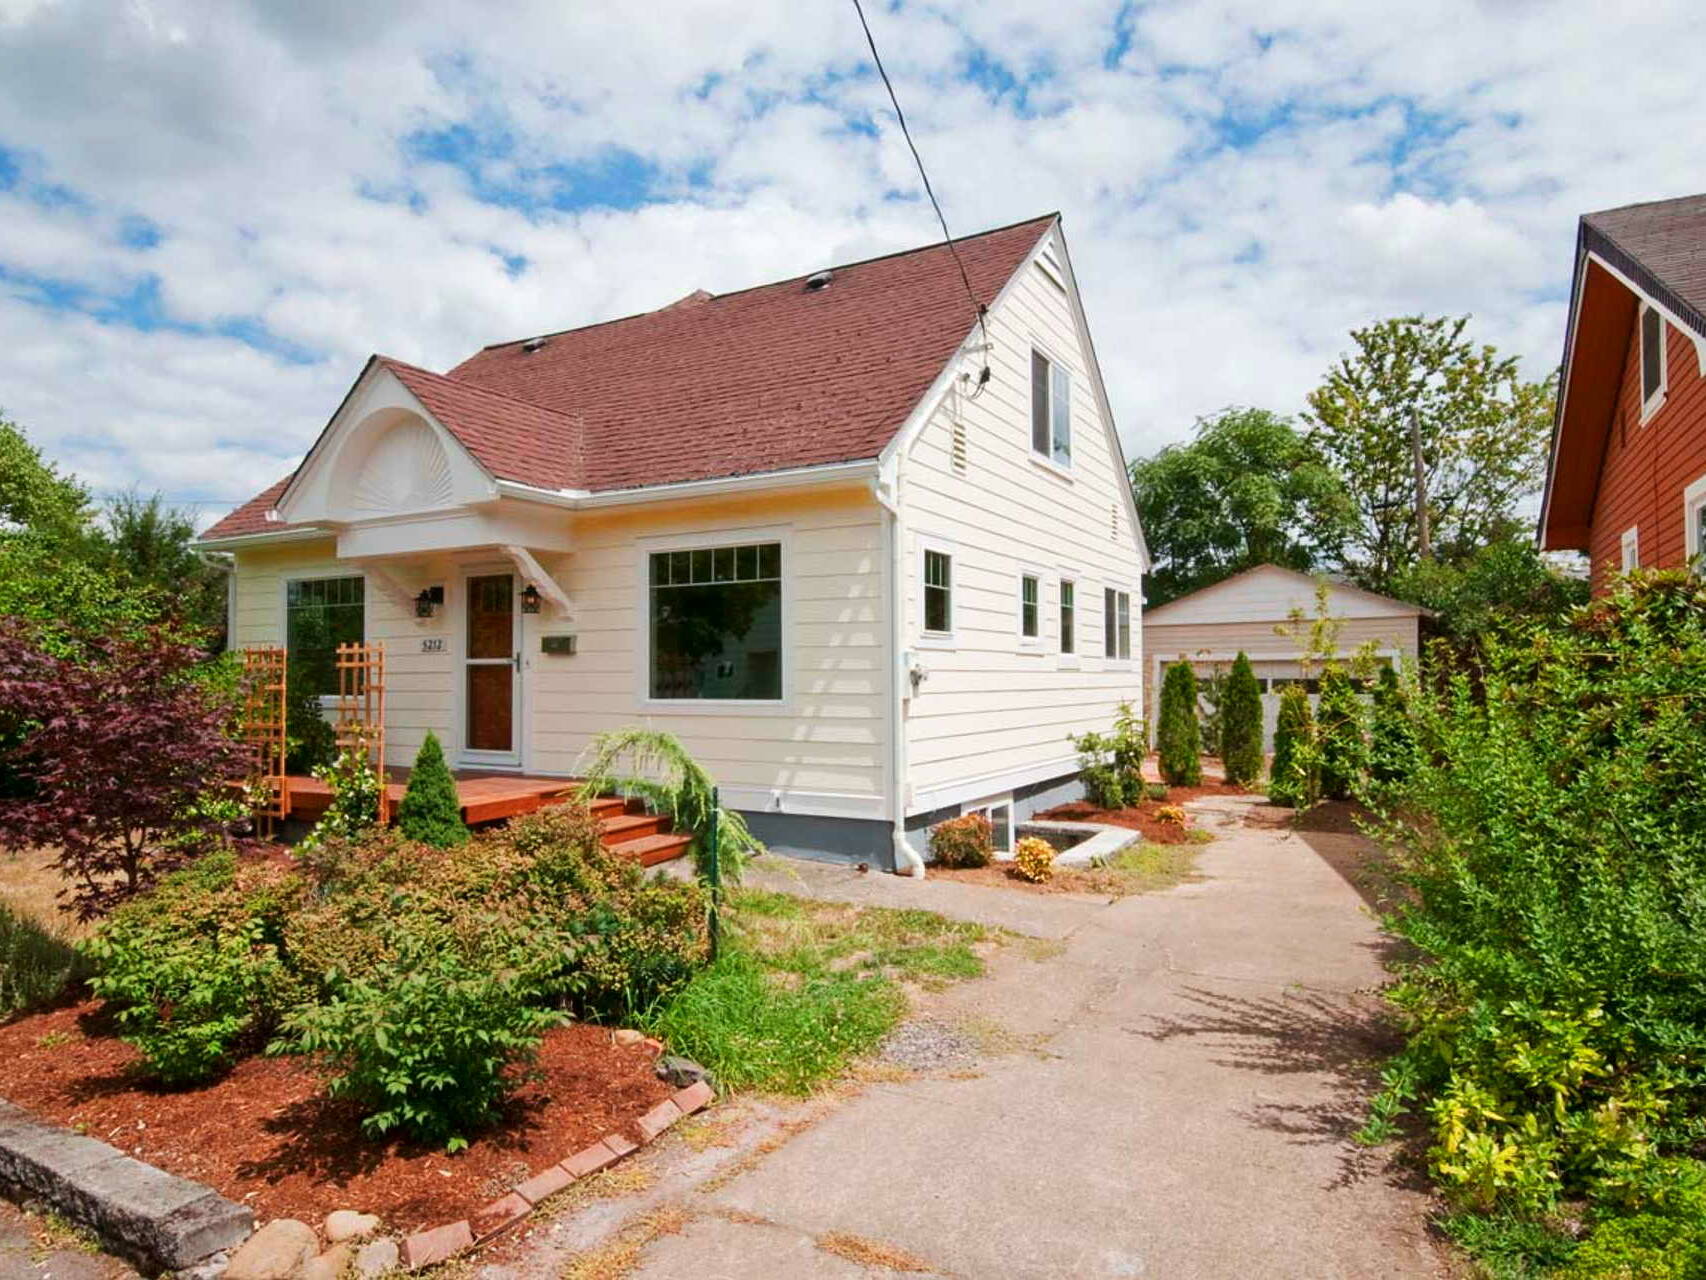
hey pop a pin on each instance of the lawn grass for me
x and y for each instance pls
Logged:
(803, 987)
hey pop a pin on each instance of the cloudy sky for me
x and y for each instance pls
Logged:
(211, 212)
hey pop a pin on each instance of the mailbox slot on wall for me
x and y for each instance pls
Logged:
(557, 644)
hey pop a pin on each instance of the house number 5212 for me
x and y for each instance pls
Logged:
(432, 644)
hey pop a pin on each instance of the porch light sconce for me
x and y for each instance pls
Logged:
(428, 600)
(530, 599)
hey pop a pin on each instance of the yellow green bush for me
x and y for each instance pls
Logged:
(1033, 859)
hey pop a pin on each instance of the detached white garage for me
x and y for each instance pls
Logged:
(1246, 612)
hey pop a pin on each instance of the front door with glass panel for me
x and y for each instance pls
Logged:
(492, 658)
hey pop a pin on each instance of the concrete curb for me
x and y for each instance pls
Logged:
(439, 1244)
(139, 1212)
(1101, 839)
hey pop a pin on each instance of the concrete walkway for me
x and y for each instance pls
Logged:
(1169, 1096)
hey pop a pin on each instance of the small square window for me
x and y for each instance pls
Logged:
(938, 592)
(1028, 607)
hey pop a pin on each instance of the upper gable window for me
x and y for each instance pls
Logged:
(1652, 361)
(1051, 410)
(1629, 549)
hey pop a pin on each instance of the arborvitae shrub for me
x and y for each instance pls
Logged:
(1241, 724)
(1178, 742)
(1290, 782)
(1339, 729)
(1392, 736)
(431, 812)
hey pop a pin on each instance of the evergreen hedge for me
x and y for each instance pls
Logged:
(1392, 736)
(1291, 781)
(1241, 724)
(431, 812)
(1339, 729)
(1178, 740)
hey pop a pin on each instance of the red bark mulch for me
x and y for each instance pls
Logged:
(1142, 817)
(267, 1136)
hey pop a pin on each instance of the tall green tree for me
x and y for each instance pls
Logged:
(1247, 489)
(150, 545)
(34, 496)
(1293, 778)
(1241, 724)
(1178, 740)
(1483, 433)
(1340, 732)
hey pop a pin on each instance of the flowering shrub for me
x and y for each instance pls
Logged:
(965, 841)
(354, 810)
(1172, 813)
(1033, 859)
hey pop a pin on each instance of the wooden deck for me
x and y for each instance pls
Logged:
(491, 797)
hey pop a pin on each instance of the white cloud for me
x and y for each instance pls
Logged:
(1242, 184)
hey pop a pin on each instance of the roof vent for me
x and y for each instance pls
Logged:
(533, 344)
(819, 280)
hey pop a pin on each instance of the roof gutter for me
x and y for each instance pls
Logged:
(857, 472)
(270, 538)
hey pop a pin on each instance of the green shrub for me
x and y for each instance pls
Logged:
(428, 1044)
(1553, 849)
(1339, 734)
(1033, 860)
(1642, 1247)
(311, 743)
(431, 812)
(1178, 742)
(1391, 737)
(1156, 792)
(1241, 724)
(1292, 780)
(192, 971)
(1110, 765)
(354, 810)
(965, 841)
(37, 964)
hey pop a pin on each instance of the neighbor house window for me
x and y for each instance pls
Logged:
(1116, 623)
(1694, 524)
(1652, 360)
(716, 623)
(1028, 606)
(1629, 547)
(1051, 409)
(938, 592)
(1068, 610)
(319, 615)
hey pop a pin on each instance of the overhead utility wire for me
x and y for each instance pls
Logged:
(947, 236)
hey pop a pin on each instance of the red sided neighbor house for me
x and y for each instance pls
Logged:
(790, 525)
(1626, 482)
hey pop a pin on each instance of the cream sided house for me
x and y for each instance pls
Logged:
(795, 525)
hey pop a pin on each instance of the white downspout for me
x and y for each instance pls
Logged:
(885, 487)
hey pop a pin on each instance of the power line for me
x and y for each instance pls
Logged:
(947, 236)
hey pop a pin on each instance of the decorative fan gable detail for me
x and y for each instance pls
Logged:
(406, 470)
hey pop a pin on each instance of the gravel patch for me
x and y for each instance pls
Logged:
(925, 1044)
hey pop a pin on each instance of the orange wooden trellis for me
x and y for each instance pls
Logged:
(264, 685)
(361, 708)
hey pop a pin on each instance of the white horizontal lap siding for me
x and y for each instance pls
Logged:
(825, 749)
(417, 693)
(992, 706)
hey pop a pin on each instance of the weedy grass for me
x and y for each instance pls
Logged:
(803, 988)
(37, 962)
(1142, 868)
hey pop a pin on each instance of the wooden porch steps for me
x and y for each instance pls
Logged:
(624, 826)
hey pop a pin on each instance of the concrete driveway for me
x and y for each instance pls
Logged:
(1170, 1095)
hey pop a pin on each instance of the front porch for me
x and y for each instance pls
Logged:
(624, 826)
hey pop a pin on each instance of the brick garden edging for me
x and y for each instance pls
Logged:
(440, 1244)
(142, 1213)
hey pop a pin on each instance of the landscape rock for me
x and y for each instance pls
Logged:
(276, 1252)
(627, 1036)
(330, 1265)
(376, 1257)
(347, 1224)
(681, 1072)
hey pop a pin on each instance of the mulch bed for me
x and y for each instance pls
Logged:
(267, 1136)
(1000, 875)
(1142, 817)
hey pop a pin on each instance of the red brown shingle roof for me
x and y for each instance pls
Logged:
(765, 379)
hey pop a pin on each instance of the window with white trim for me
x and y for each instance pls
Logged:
(1116, 623)
(319, 615)
(716, 623)
(1068, 615)
(1051, 410)
(1652, 360)
(1030, 606)
(999, 815)
(938, 592)
(1629, 548)
(1694, 524)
